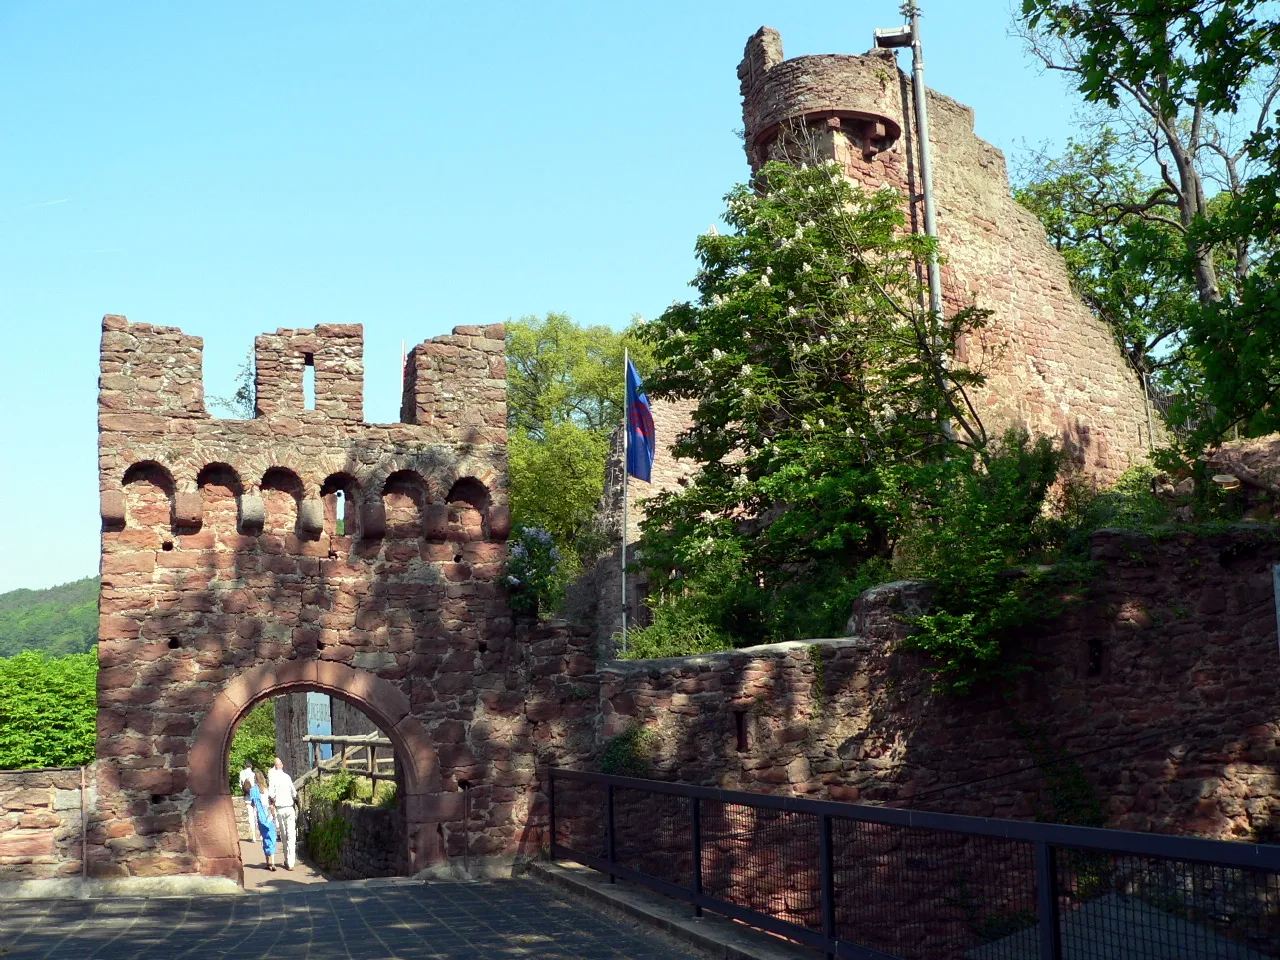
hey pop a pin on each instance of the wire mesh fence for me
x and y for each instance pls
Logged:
(880, 883)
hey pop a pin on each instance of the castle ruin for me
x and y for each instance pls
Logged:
(1051, 366)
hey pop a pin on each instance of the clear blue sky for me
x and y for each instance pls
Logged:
(234, 167)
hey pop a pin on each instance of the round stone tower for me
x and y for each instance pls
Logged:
(1050, 365)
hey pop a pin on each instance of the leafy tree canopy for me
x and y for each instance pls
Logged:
(817, 374)
(564, 399)
(48, 710)
(254, 741)
(560, 372)
(1193, 88)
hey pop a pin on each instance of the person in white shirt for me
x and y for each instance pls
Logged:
(246, 777)
(284, 797)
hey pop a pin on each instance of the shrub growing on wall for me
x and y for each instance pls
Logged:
(48, 710)
(533, 572)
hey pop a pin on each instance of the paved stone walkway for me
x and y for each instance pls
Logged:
(390, 921)
(258, 879)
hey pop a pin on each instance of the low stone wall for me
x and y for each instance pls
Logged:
(1162, 688)
(1153, 704)
(41, 831)
(369, 849)
(371, 844)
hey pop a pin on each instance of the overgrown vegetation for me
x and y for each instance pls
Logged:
(1178, 199)
(254, 741)
(48, 710)
(534, 577)
(630, 753)
(59, 620)
(327, 829)
(821, 386)
(564, 399)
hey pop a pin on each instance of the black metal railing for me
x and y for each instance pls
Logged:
(877, 883)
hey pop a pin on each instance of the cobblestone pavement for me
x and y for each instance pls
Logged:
(396, 921)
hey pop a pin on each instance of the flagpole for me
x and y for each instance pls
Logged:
(626, 475)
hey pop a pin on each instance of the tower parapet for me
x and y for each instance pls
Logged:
(1050, 365)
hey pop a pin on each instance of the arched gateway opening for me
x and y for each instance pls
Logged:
(421, 804)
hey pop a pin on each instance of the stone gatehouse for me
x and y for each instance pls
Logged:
(302, 550)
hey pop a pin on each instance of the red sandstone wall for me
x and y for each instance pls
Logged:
(41, 833)
(220, 554)
(1050, 365)
(1165, 683)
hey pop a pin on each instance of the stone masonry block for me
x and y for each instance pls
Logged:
(113, 508)
(311, 518)
(188, 510)
(253, 514)
(373, 521)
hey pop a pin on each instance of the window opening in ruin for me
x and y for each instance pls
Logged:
(340, 509)
(309, 381)
(344, 770)
(1095, 656)
(740, 727)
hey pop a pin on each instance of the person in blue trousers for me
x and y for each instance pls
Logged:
(266, 824)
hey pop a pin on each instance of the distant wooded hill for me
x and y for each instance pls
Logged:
(60, 620)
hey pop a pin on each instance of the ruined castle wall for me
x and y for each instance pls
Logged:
(1163, 685)
(1050, 365)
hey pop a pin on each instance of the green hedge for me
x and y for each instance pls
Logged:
(48, 710)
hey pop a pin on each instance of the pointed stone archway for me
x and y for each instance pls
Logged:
(422, 804)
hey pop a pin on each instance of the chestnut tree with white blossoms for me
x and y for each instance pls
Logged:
(823, 390)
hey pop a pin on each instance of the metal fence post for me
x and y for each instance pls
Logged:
(826, 877)
(696, 810)
(551, 811)
(609, 836)
(1047, 902)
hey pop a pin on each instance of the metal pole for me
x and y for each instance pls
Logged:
(466, 828)
(926, 156)
(827, 879)
(920, 93)
(84, 830)
(697, 853)
(609, 827)
(551, 810)
(626, 475)
(1047, 902)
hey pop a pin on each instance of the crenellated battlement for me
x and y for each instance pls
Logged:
(154, 427)
(335, 351)
(300, 549)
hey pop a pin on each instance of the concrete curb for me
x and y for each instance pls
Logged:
(713, 934)
(74, 888)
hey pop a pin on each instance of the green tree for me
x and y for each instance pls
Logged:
(48, 710)
(564, 399)
(1193, 88)
(1125, 267)
(817, 371)
(561, 372)
(254, 741)
(557, 480)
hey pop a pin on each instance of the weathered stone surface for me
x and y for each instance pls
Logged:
(227, 578)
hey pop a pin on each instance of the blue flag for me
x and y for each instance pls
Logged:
(641, 441)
